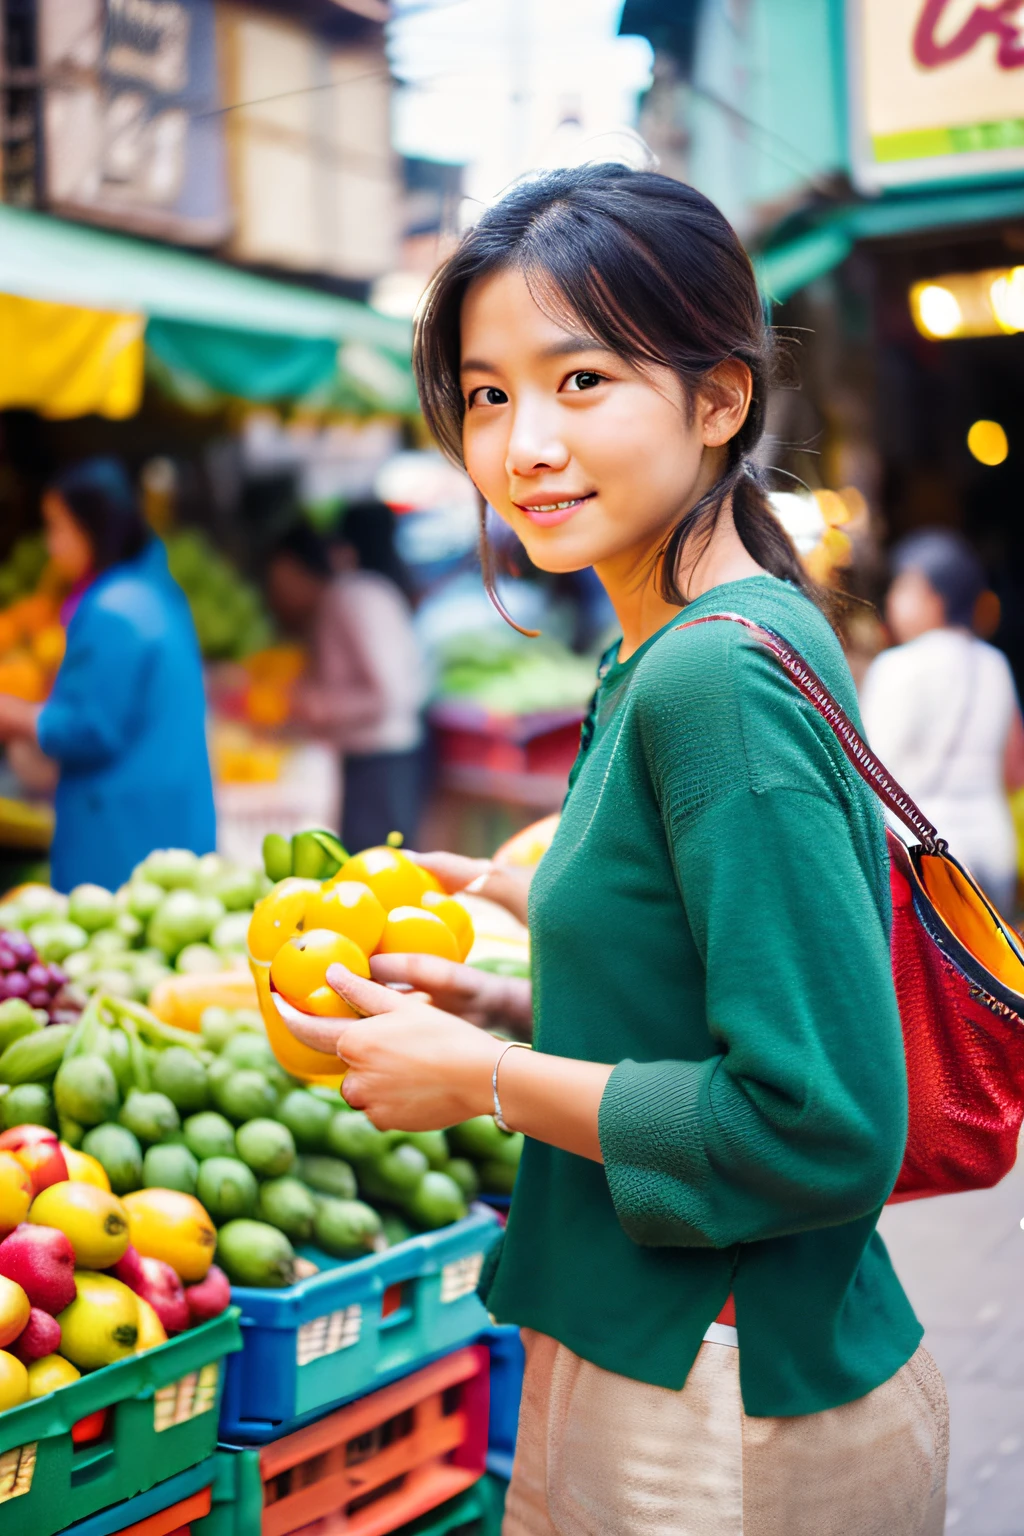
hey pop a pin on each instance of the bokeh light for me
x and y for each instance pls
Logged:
(987, 442)
(937, 310)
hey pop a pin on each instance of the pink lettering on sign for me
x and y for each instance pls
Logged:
(1002, 21)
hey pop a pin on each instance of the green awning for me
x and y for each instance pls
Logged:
(238, 333)
(821, 241)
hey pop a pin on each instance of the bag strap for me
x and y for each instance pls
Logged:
(853, 744)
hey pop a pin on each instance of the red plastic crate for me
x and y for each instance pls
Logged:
(175, 1521)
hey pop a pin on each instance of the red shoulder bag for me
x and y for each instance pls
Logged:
(959, 975)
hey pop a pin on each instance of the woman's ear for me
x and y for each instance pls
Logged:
(724, 401)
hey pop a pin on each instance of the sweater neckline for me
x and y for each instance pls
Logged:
(613, 669)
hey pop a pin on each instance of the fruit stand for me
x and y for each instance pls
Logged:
(227, 1300)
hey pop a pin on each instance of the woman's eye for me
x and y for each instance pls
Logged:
(488, 394)
(584, 378)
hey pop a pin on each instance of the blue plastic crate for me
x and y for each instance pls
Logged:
(507, 1361)
(352, 1328)
(118, 1517)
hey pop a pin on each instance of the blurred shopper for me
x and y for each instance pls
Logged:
(367, 687)
(716, 1108)
(941, 711)
(126, 719)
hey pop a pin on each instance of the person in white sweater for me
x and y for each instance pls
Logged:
(367, 684)
(940, 708)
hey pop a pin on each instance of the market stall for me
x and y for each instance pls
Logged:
(219, 1285)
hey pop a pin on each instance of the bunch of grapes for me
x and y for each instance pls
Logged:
(24, 975)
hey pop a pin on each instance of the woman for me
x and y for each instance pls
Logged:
(715, 1107)
(126, 719)
(367, 688)
(941, 708)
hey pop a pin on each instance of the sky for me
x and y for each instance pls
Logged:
(508, 86)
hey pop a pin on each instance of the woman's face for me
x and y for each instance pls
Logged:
(913, 607)
(68, 544)
(590, 459)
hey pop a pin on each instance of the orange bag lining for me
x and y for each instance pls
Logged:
(970, 920)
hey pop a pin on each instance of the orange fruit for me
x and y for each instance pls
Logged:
(455, 915)
(15, 1193)
(48, 647)
(351, 908)
(391, 875)
(21, 675)
(279, 916)
(32, 614)
(170, 1225)
(415, 931)
(299, 969)
(266, 704)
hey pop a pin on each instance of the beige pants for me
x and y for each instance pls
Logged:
(599, 1455)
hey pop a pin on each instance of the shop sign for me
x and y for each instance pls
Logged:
(132, 132)
(936, 89)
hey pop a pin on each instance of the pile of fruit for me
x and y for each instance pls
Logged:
(176, 913)
(504, 677)
(327, 907)
(227, 610)
(38, 986)
(87, 1279)
(213, 1115)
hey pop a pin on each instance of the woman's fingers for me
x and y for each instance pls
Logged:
(454, 870)
(367, 997)
(313, 1030)
(427, 973)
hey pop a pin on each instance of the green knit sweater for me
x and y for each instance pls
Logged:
(713, 917)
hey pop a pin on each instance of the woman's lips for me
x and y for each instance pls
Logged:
(548, 515)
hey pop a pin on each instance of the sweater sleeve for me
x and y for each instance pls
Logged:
(94, 708)
(798, 1120)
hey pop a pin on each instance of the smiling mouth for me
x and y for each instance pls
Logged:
(550, 512)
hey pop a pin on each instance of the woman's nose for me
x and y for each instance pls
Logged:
(534, 447)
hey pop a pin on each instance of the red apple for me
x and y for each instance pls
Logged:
(40, 1336)
(42, 1261)
(38, 1151)
(208, 1298)
(157, 1283)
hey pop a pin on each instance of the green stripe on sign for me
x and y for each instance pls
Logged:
(928, 143)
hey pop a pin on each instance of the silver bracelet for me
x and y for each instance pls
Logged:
(499, 1118)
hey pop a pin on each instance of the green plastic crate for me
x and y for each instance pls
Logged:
(163, 1418)
(477, 1512)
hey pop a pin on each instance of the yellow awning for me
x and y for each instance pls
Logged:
(64, 361)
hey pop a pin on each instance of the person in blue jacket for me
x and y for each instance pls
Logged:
(125, 721)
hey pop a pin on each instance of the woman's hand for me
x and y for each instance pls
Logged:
(410, 1066)
(483, 999)
(414, 1068)
(17, 719)
(508, 885)
(454, 870)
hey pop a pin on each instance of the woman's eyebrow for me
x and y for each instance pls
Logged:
(570, 344)
(567, 346)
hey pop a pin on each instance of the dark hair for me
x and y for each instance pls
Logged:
(101, 499)
(303, 545)
(369, 526)
(655, 272)
(949, 564)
